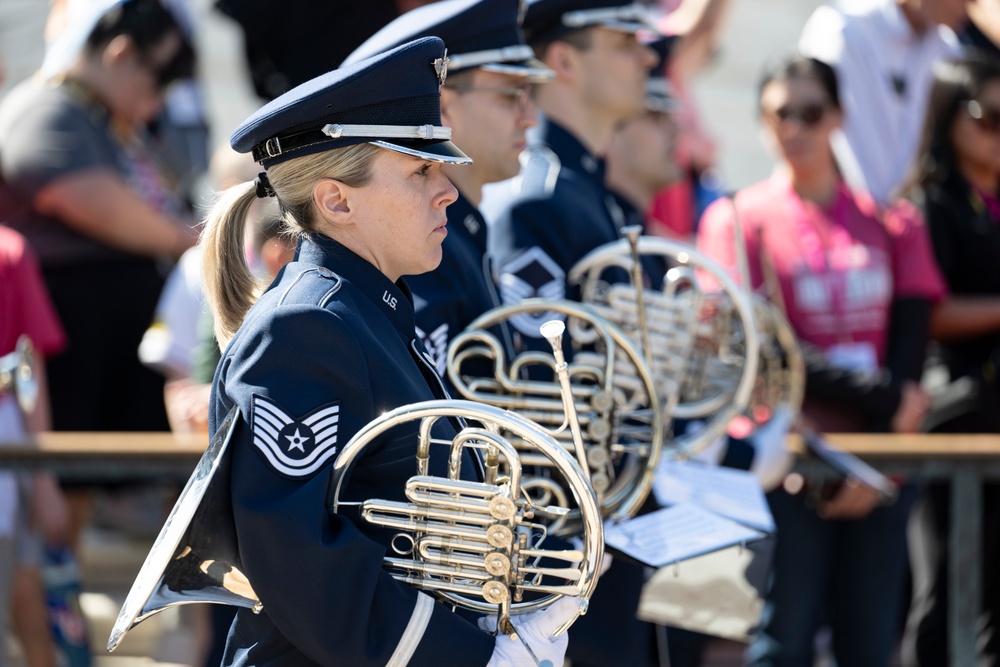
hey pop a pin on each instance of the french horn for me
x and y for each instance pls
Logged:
(620, 415)
(701, 343)
(18, 376)
(781, 376)
(480, 545)
(477, 545)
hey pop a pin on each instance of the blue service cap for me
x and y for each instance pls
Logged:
(549, 19)
(478, 33)
(392, 100)
(659, 93)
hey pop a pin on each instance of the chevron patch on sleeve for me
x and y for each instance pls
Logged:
(294, 447)
(436, 344)
(532, 275)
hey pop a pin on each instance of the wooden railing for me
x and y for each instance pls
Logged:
(964, 461)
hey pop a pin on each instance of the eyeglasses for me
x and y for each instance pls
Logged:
(987, 118)
(809, 115)
(518, 97)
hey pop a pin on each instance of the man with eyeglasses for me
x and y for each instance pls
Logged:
(486, 101)
(557, 210)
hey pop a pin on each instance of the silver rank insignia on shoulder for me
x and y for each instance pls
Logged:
(531, 274)
(436, 344)
(441, 68)
(296, 448)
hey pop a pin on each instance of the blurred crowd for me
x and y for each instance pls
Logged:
(883, 123)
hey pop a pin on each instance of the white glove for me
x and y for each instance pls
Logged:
(771, 459)
(534, 629)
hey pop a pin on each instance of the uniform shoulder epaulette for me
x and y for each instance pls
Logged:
(315, 285)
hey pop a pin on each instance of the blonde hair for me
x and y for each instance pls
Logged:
(230, 287)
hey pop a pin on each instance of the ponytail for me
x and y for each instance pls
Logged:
(230, 286)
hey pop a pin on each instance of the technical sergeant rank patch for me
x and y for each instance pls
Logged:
(295, 447)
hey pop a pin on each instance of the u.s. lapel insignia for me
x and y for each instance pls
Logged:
(294, 447)
(441, 68)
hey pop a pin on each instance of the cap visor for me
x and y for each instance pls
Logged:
(439, 151)
(533, 70)
(629, 26)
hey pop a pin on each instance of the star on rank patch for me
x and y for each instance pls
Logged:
(294, 447)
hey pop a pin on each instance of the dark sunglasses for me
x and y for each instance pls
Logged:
(988, 118)
(809, 115)
(180, 65)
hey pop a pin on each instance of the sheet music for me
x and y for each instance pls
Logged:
(734, 494)
(675, 534)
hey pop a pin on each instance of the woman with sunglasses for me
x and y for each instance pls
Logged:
(93, 204)
(857, 286)
(956, 182)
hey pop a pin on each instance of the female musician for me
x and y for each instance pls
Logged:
(354, 158)
(857, 285)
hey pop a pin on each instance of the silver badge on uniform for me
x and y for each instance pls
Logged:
(295, 447)
(441, 68)
(531, 274)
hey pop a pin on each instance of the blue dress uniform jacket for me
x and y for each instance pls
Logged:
(329, 347)
(460, 289)
(559, 215)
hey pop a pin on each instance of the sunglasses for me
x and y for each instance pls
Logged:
(809, 115)
(987, 118)
(179, 66)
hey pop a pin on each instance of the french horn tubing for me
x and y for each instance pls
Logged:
(480, 545)
(701, 343)
(621, 423)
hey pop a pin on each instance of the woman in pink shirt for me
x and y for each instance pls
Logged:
(857, 284)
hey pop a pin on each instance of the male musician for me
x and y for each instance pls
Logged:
(559, 212)
(487, 103)
(558, 209)
(641, 157)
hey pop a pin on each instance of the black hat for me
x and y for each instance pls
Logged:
(478, 33)
(392, 100)
(659, 93)
(549, 19)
